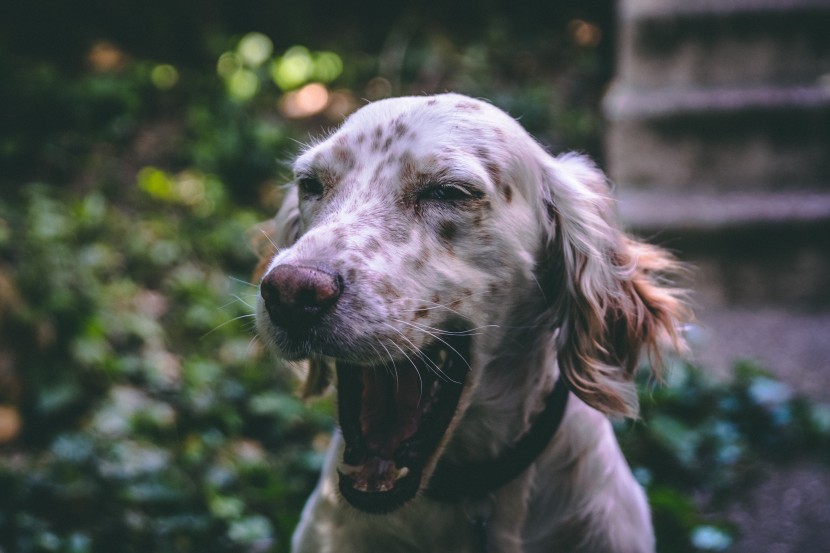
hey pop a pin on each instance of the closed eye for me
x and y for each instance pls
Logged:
(447, 193)
(310, 186)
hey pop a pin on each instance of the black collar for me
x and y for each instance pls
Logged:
(452, 482)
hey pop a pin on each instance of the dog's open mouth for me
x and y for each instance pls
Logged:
(393, 419)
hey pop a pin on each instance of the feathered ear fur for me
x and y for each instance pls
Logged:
(266, 239)
(613, 300)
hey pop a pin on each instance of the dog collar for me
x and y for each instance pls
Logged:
(451, 482)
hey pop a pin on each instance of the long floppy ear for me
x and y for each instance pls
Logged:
(277, 233)
(614, 300)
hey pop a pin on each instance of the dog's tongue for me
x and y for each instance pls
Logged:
(391, 408)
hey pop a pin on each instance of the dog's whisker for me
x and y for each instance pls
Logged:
(435, 306)
(440, 340)
(392, 359)
(251, 343)
(271, 240)
(243, 302)
(415, 349)
(229, 321)
(414, 366)
(245, 282)
(392, 371)
(469, 332)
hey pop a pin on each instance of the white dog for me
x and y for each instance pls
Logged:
(465, 284)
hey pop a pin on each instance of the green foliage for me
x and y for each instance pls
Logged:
(700, 443)
(152, 422)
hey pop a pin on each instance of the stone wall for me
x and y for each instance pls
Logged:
(719, 142)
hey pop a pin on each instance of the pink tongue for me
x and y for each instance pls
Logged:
(390, 408)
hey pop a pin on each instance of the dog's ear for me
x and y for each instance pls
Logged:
(612, 300)
(277, 233)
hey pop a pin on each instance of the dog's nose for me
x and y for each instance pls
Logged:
(297, 295)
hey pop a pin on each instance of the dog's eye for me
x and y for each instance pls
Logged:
(310, 186)
(444, 193)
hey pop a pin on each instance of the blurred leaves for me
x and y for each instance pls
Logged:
(700, 443)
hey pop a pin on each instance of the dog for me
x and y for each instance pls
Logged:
(481, 315)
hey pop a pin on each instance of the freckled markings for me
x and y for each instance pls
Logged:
(385, 289)
(407, 169)
(375, 180)
(447, 230)
(372, 244)
(357, 303)
(506, 192)
(494, 171)
(398, 231)
(467, 106)
(400, 129)
(377, 136)
(421, 260)
(346, 157)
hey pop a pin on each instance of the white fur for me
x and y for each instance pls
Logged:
(557, 216)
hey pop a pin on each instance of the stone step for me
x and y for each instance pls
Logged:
(793, 345)
(729, 95)
(753, 251)
(673, 44)
(662, 9)
(623, 102)
(691, 214)
(728, 139)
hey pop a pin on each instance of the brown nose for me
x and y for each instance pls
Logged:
(296, 296)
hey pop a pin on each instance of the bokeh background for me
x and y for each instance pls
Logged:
(141, 142)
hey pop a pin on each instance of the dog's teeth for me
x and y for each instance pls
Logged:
(351, 470)
(401, 473)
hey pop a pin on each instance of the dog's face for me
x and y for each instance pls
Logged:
(411, 232)
(419, 223)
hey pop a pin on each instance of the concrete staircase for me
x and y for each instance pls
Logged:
(719, 142)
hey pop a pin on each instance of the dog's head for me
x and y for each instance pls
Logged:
(412, 242)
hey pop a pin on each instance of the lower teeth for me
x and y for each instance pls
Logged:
(361, 480)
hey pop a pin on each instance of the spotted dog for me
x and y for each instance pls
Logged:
(482, 315)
